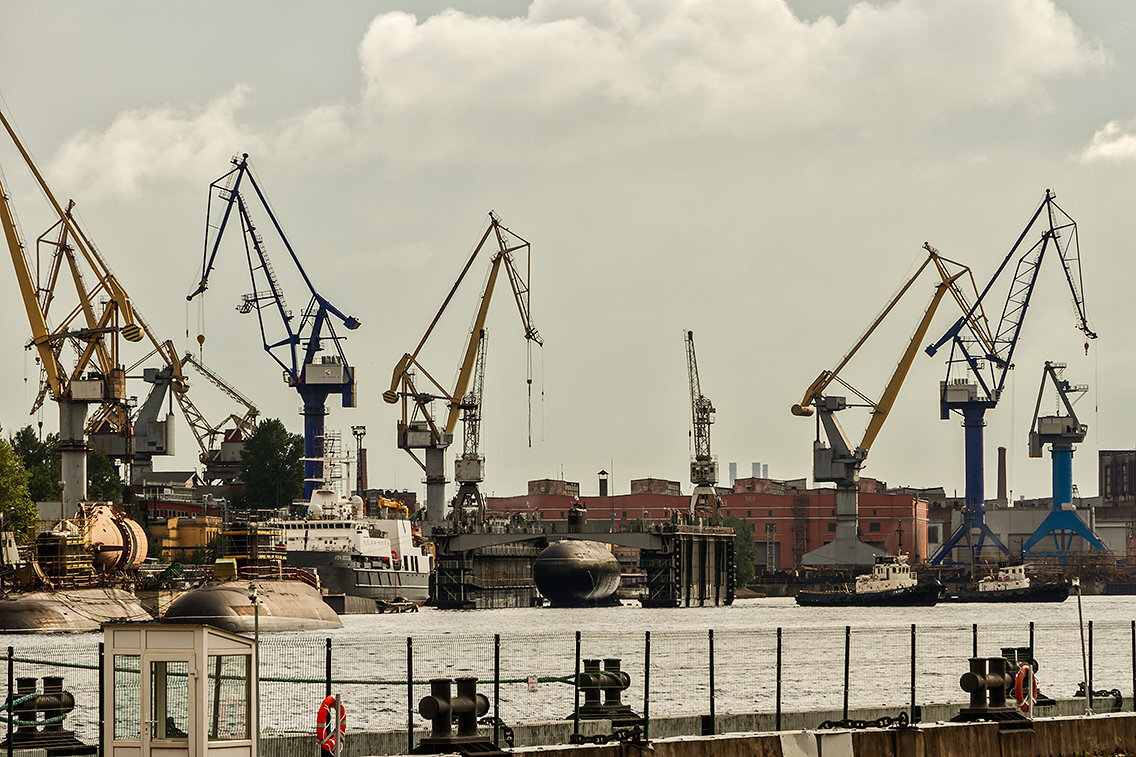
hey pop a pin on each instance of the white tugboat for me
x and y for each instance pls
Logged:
(891, 583)
(376, 556)
(1011, 584)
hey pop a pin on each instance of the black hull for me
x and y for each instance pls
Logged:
(923, 595)
(1036, 593)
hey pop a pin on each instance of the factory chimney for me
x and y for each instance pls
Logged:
(1002, 492)
(603, 483)
(765, 470)
(756, 473)
(733, 474)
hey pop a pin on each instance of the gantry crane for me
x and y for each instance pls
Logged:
(417, 428)
(1061, 432)
(297, 349)
(102, 312)
(838, 461)
(469, 467)
(984, 357)
(703, 466)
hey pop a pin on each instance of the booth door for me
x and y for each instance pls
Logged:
(167, 701)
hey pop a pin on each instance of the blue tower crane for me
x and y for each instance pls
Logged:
(986, 356)
(298, 346)
(1061, 432)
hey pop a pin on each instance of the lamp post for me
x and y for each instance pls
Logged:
(604, 493)
(255, 599)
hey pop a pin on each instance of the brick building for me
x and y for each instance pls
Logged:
(787, 519)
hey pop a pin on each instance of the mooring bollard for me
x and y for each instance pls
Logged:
(442, 709)
(610, 683)
(988, 682)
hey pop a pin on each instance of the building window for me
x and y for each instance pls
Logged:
(873, 526)
(749, 513)
(770, 513)
(832, 528)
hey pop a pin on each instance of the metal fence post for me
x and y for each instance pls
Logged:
(777, 725)
(1031, 641)
(496, 688)
(912, 713)
(576, 688)
(11, 697)
(409, 695)
(847, 651)
(974, 640)
(646, 684)
(1134, 665)
(1089, 683)
(102, 699)
(713, 729)
(327, 668)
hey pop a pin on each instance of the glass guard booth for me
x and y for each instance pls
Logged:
(178, 691)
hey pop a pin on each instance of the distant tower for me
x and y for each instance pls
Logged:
(765, 470)
(756, 470)
(360, 460)
(733, 474)
(1002, 489)
(603, 483)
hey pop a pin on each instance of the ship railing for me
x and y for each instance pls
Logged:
(278, 573)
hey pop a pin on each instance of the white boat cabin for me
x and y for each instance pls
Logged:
(1006, 579)
(888, 574)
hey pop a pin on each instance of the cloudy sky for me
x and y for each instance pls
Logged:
(763, 172)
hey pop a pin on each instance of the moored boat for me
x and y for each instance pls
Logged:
(890, 584)
(1011, 584)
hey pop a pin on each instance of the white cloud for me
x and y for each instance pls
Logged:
(1111, 143)
(579, 79)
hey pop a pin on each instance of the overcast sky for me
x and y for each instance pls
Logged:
(763, 172)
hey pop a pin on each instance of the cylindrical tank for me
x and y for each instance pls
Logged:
(576, 573)
(118, 543)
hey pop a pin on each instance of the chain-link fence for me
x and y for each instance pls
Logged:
(528, 677)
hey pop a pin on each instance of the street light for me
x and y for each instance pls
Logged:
(603, 493)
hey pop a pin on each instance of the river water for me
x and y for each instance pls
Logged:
(369, 657)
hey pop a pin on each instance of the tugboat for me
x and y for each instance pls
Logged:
(890, 584)
(1011, 584)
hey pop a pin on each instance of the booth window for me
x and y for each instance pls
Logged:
(127, 685)
(169, 700)
(229, 697)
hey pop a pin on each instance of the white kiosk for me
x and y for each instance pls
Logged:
(178, 690)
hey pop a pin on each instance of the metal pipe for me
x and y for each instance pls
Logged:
(847, 651)
(409, 695)
(327, 668)
(974, 640)
(713, 729)
(1134, 665)
(1089, 682)
(102, 693)
(1031, 641)
(11, 696)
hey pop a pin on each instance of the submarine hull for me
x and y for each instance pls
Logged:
(577, 573)
(284, 606)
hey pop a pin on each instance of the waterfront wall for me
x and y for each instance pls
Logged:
(732, 729)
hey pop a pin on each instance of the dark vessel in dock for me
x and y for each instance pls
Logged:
(1011, 584)
(577, 573)
(890, 584)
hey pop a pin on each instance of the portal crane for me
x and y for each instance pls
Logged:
(985, 356)
(838, 461)
(417, 428)
(469, 467)
(1061, 432)
(297, 349)
(703, 466)
(103, 312)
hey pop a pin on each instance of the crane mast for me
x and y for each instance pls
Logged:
(980, 359)
(1061, 432)
(469, 467)
(296, 346)
(703, 466)
(418, 429)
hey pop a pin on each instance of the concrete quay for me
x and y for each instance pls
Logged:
(1062, 731)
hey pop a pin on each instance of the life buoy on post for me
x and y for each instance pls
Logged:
(1025, 693)
(325, 724)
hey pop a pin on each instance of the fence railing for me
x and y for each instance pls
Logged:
(531, 677)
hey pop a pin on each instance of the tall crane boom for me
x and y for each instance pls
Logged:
(298, 345)
(418, 428)
(703, 466)
(469, 467)
(981, 358)
(838, 461)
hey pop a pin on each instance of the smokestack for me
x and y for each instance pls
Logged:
(603, 483)
(1002, 491)
(733, 474)
(756, 473)
(765, 470)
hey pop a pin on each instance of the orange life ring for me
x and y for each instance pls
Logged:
(1020, 687)
(325, 731)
